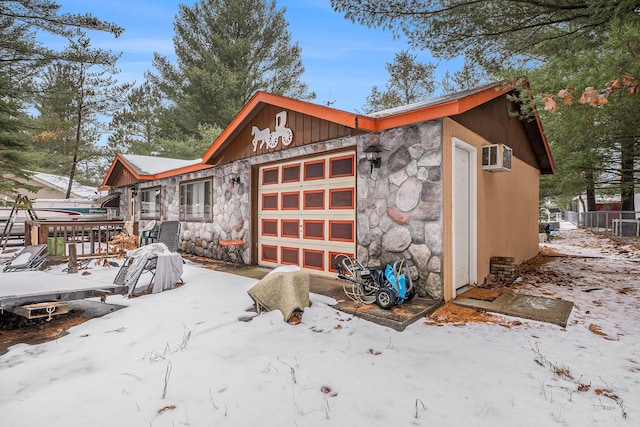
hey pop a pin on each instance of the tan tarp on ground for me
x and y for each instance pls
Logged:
(284, 289)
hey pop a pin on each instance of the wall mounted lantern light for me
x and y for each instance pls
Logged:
(234, 178)
(373, 156)
(134, 191)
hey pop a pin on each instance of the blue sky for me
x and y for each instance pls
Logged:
(342, 60)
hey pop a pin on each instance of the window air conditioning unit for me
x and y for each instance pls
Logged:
(496, 158)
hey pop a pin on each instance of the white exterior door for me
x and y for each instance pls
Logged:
(306, 212)
(464, 215)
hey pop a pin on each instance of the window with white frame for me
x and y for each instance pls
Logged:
(195, 201)
(150, 201)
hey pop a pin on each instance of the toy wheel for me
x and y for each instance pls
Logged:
(385, 298)
(412, 293)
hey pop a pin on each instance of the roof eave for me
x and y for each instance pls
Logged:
(445, 109)
(260, 98)
(150, 177)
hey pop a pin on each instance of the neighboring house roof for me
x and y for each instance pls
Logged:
(445, 106)
(62, 182)
(147, 168)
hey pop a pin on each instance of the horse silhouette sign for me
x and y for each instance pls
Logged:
(262, 137)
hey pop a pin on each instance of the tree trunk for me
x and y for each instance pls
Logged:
(627, 191)
(72, 175)
(591, 191)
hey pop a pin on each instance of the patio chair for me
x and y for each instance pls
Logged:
(149, 233)
(30, 258)
(132, 269)
(169, 234)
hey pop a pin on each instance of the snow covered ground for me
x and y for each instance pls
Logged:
(182, 358)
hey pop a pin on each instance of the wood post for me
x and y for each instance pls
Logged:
(73, 259)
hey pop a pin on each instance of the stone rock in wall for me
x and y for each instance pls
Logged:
(417, 231)
(399, 159)
(416, 151)
(423, 173)
(434, 174)
(427, 211)
(398, 217)
(392, 139)
(408, 195)
(364, 168)
(381, 206)
(382, 189)
(434, 286)
(431, 192)
(434, 264)
(362, 254)
(420, 255)
(412, 168)
(374, 219)
(375, 248)
(397, 239)
(361, 205)
(385, 223)
(364, 234)
(431, 158)
(398, 178)
(433, 237)
(430, 135)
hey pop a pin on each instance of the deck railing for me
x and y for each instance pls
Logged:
(91, 238)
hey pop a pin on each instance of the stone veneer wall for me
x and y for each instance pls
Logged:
(232, 203)
(400, 203)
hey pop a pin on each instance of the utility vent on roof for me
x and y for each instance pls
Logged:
(496, 158)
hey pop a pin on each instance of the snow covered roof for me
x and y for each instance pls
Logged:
(436, 101)
(62, 182)
(151, 165)
(145, 168)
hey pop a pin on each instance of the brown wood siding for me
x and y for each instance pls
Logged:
(121, 177)
(306, 130)
(493, 123)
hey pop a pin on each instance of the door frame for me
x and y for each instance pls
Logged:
(473, 211)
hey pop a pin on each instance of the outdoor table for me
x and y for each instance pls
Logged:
(232, 247)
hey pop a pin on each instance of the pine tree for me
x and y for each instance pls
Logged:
(135, 126)
(409, 81)
(73, 96)
(22, 59)
(226, 51)
(587, 49)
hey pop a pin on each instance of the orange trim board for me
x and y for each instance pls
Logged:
(353, 120)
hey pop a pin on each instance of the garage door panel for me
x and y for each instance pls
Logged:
(307, 212)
